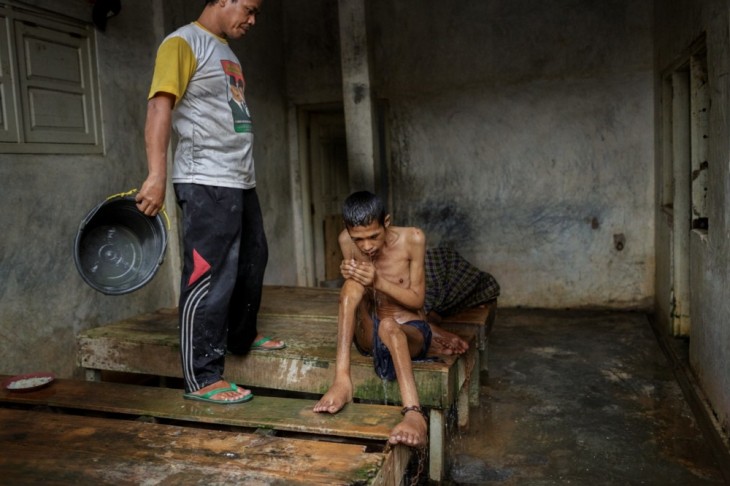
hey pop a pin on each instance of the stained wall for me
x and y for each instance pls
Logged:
(520, 133)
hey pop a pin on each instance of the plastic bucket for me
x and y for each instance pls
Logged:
(118, 249)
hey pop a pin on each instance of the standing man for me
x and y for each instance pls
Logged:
(196, 78)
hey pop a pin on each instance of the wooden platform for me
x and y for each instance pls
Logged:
(306, 318)
(321, 304)
(106, 447)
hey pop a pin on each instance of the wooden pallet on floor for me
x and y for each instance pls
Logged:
(108, 449)
(306, 318)
(322, 303)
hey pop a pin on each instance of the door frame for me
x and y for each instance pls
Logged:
(298, 118)
(685, 162)
(299, 133)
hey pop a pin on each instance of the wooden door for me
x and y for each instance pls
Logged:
(329, 187)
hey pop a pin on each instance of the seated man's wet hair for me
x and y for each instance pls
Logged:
(362, 208)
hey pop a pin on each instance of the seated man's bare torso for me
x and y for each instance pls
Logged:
(392, 263)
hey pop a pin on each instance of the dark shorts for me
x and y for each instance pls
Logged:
(382, 359)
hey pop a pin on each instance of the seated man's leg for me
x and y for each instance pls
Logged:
(404, 343)
(340, 393)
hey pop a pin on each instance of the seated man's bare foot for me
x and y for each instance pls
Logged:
(412, 431)
(446, 343)
(226, 396)
(339, 395)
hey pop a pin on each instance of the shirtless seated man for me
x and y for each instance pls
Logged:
(383, 267)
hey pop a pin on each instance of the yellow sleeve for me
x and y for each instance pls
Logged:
(174, 67)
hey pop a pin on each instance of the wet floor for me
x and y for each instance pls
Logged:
(584, 398)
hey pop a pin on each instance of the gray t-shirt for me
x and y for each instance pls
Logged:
(211, 118)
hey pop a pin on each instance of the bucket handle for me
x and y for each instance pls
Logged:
(134, 191)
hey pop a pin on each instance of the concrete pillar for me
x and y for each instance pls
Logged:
(356, 94)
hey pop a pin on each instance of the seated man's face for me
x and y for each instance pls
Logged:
(368, 239)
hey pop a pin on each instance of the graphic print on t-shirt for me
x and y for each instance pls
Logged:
(236, 100)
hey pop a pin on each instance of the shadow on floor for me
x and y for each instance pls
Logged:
(585, 398)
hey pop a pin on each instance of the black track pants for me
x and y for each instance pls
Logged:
(225, 256)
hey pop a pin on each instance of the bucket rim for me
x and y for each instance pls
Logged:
(160, 221)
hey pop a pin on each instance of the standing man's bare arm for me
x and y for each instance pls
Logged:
(151, 195)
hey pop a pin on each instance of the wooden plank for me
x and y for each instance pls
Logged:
(322, 303)
(150, 345)
(437, 450)
(392, 472)
(481, 318)
(311, 302)
(482, 315)
(307, 319)
(362, 421)
(46, 448)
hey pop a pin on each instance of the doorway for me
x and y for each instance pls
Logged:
(686, 105)
(326, 170)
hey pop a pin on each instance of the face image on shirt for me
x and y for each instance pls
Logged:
(235, 86)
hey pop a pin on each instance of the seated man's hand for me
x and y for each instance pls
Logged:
(361, 272)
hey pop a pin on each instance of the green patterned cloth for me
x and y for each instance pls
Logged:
(453, 284)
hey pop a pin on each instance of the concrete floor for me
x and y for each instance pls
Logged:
(585, 398)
